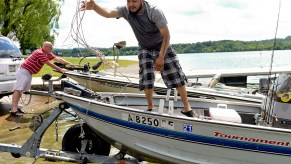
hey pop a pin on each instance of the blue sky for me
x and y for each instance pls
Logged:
(189, 21)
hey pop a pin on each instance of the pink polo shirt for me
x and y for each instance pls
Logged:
(36, 60)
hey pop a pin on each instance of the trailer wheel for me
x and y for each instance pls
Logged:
(96, 145)
(15, 155)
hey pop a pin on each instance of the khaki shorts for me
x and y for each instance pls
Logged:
(23, 80)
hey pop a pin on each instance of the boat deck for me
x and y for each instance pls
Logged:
(203, 113)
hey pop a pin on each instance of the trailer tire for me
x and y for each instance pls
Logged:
(15, 155)
(96, 145)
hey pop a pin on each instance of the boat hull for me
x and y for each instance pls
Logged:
(168, 139)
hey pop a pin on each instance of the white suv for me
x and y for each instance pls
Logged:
(10, 60)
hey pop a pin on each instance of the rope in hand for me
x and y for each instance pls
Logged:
(77, 34)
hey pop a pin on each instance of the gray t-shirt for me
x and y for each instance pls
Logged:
(146, 26)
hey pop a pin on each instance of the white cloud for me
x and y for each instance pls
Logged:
(189, 21)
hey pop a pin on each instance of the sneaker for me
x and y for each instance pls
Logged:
(16, 114)
(20, 111)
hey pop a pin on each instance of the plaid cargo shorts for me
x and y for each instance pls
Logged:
(172, 74)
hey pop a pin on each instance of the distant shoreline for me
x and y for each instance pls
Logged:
(199, 47)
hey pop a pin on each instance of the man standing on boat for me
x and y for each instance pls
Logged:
(150, 28)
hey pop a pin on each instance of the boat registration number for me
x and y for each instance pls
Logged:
(148, 121)
(141, 119)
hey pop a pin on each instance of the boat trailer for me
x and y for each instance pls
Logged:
(31, 148)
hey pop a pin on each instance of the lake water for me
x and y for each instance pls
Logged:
(231, 60)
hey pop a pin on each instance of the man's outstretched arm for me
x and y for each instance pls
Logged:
(62, 70)
(61, 60)
(91, 5)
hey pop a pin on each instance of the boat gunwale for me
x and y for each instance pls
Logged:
(159, 87)
(222, 123)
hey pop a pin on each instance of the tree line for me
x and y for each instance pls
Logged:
(199, 47)
(30, 22)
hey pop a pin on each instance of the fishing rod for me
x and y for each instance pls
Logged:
(270, 108)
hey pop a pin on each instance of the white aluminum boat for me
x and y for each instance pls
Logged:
(225, 132)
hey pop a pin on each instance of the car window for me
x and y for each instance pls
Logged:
(8, 49)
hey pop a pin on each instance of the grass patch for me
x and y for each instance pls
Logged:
(92, 61)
